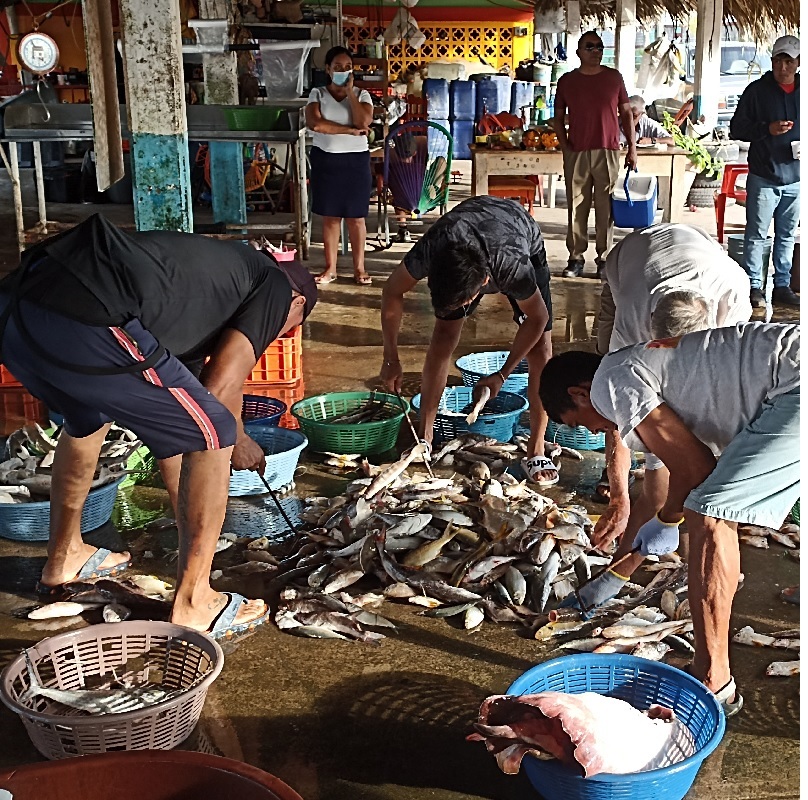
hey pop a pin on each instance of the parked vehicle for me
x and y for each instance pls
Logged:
(741, 63)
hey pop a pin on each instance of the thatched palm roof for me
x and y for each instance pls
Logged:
(756, 18)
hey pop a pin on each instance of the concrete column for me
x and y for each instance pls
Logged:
(708, 60)
(152, 58)
(625, 36)
(221, 88)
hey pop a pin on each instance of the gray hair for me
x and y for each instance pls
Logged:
(636, 101)
(678, 313)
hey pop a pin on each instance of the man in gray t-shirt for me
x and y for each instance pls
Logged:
(482, 246)
(721, 409)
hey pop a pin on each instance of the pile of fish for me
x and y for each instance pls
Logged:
(26, 472)
(781, 640)
(479, 546)
(374, 410)
(756, 536)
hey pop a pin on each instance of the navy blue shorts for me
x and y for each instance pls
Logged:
(166, 406)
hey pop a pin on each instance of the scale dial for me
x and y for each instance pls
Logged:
(38, 53)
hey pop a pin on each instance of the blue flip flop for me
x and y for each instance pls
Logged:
(223, 626)
(89, 571)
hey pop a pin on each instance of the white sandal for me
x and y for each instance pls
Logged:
(533, 467)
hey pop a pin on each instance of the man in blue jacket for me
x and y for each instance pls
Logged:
(768, 116)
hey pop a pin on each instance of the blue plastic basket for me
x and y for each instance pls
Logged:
(255, 518)
(579, 438)
(258, 410)
(478, 365)
(30, 522)
(499, 425)
(637, 681)
(282, 448)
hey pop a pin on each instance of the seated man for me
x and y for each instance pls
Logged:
(104, 325)
(482, 246)
(664, 280)
(721, 409)
(647, 130)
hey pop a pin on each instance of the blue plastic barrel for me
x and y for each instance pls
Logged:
(462, 97)
(436, 142)
(463, 135)
(521, 95)
(493, 95)
(436, 94)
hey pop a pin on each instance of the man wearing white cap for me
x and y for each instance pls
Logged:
(768, 116)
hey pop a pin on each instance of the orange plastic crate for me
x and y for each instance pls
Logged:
(281, 362)
(7, 379)
(287, 393)
(18, 408)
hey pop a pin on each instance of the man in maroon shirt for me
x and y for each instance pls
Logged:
(593, 96)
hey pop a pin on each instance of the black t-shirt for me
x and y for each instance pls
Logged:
(183, 288)
(507, 234)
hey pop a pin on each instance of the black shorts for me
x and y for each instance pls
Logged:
(166, 406)
(542, 271)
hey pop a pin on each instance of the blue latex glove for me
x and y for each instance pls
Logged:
(657, 538)
(596, 592)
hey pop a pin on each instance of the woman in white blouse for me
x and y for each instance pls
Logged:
(339, 116)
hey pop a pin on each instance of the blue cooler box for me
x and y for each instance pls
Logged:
(634, 203)
(463, 135)
(436, 93)
(462, 97)
(493, 95)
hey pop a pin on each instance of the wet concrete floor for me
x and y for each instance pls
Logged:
(344, 721)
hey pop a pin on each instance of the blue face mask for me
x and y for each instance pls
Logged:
(340, 78)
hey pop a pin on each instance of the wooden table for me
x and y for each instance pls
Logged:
(668, 165)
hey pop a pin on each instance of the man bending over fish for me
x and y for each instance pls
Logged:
(482, 246)
(720, 408)
(665, 280)
(102, 326)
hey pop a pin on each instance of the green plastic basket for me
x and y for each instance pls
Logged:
(139, 466)
(363, 438)
(795, 513)
(258, 118)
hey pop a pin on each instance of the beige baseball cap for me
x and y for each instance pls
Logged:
(786, 45)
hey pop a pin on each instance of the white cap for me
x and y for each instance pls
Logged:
(787, 45)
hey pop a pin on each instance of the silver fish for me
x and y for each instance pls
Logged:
(115, 612)
(783, 669)
(473, 618)
(342, 579)
(62, 609)
(484, 566)
(653, 651)
(516, 585)
(543, 585)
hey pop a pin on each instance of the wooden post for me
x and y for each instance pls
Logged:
(152, 58)
(708, 60)
(625, 37)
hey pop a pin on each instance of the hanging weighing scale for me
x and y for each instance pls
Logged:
(38, 53)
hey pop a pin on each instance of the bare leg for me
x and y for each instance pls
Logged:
(714, 567)
(330, 247)
(170, 471)
(200, 514)
(74, 465)
(536, 359)
(357, 234)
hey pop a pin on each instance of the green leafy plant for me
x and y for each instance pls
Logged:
(698, 154)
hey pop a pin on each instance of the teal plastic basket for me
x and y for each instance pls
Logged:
(30, 522)
(578, 438)
(641, 683)
(499, 424)
(364, 438)
(282, 448)
(479, 365)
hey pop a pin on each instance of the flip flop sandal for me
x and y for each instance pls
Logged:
(365, 280)
(731, 708)
(223, 625)
(533, 467)
(89, 571)
(322, 280)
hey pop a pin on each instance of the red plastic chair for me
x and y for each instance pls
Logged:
(731, 173)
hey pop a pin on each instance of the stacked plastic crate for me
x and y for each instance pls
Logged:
(279, 373)
(462, 96)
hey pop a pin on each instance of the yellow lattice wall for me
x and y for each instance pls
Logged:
(493, 41)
